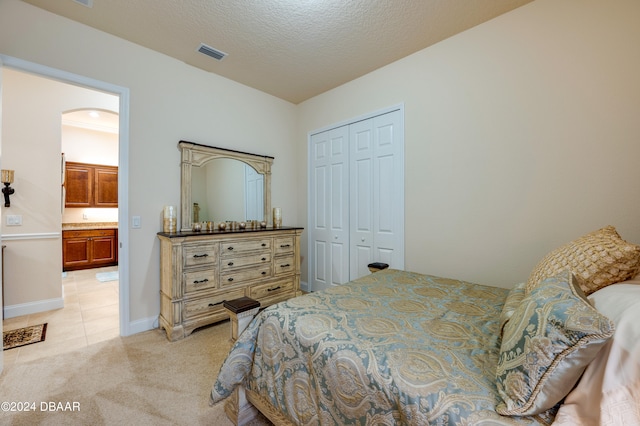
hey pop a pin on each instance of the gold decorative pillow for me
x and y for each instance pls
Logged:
(597, 259)
(547, 343)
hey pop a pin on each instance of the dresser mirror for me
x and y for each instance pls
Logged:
(219, 184)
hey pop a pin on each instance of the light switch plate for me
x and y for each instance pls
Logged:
(14, 220)
(136, 222)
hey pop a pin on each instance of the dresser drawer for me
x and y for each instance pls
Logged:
(232, 248)
(283, 265)
(284, 245)
(199, 280)
(240, 276)
(208, 305)
(240, 261)
(271, 290)
(199, 254)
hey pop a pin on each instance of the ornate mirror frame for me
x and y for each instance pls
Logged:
(194, 154)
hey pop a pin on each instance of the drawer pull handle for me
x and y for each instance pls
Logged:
(285, 245)
(211, 305)
(230, 248)
(230, 279)
(286, 265)
(230, 263)
(263, 259)
(206, 280)
(273, 289)
(196, 256)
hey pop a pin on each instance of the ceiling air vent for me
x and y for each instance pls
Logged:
(88, 3)
(210, 51)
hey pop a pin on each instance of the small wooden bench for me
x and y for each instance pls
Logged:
(241, 311)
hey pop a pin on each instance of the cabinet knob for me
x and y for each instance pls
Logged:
(230, 279)
(230, 263)
(263, 259)
(230, 248)
(264, 244)
(264, 273)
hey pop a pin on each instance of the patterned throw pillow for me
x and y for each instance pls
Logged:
(598, 259)
(511, 303)
(547, 343)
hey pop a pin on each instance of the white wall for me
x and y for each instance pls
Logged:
(169, 101)
(521, 134)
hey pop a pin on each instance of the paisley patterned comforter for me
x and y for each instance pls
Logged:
(390, 348)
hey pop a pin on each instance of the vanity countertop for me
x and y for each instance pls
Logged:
(88, 225)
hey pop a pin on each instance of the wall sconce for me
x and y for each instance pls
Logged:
(7, 179)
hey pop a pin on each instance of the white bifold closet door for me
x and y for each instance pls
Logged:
(330, 208)
(357, 199)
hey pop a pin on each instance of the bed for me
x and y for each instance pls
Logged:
(399, 347)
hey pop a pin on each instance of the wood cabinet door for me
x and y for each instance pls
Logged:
(106, 186)
(75, 253)
(79, 185)
(103, 250)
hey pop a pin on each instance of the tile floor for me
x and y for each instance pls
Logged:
(90, 315)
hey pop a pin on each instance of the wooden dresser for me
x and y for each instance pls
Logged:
(200, 270)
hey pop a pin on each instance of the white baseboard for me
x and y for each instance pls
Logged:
(12, 311)
(304, 286)
(145, 324)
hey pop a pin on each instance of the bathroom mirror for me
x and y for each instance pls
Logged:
(224, 185)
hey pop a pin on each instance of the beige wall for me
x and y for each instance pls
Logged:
(520, 135)
(169, 101)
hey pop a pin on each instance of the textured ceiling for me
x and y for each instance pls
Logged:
(292, 49)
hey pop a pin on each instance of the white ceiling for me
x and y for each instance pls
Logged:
(292, 49)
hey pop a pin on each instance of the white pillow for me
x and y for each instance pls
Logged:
(609, 391)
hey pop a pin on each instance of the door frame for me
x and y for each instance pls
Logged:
(123, 164)
(346, 122)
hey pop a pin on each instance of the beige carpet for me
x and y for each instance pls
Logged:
(138, 380)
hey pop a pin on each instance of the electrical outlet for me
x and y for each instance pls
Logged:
(14, 220)
(85, 216)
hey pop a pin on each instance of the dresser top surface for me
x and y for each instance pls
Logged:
(233, 232)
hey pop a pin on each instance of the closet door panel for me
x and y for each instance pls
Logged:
(361, 206)
(330, 201)
(388, 189)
